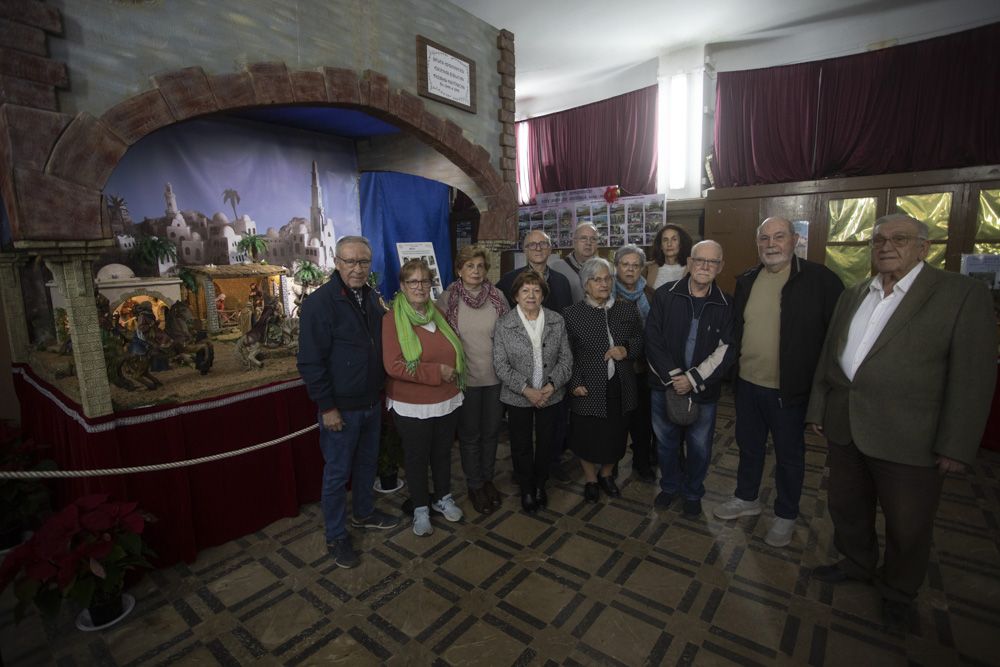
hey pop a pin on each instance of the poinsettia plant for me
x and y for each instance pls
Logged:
(612, 193)
(82, 552)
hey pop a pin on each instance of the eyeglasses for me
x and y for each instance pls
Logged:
(538, 245)
(414, 284)
(706, 263)
(605, 280)
(897, 240)
(351, 263)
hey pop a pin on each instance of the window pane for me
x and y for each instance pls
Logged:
(935, 255)
(933, 209)
(851, 219)
(851, 263)
(988, 217)
(986, 249)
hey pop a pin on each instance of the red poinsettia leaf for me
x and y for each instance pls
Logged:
(65, 521)
(97, 521)
(97, 569)
(67, 572)
(91, 501)
(133, 523)
(100, 550)
(40, 571)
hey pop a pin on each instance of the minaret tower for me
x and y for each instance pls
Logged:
(322, 229)
(168, 194)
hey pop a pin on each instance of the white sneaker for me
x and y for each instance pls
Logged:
(447, 506)
(735, 508)
(780, 534)
(422, 521)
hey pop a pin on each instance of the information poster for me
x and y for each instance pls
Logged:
(628, 220)
(422, 250)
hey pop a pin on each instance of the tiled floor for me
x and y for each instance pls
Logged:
(578, 584)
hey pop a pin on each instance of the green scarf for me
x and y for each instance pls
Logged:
(406, 318)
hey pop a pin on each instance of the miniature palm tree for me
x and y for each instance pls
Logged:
(309, 275)
(233, 197)
(151, 250)
(118, 210)
(254, 244)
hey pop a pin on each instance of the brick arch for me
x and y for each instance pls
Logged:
(65, 181)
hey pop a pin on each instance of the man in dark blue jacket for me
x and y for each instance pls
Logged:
(340, 360)
(689, 345)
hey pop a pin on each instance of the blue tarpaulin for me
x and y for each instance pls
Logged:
(399, 208)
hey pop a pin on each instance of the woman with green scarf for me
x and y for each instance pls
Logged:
(425, 366)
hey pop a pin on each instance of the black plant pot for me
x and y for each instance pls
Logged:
(389, 480)
(105, 608)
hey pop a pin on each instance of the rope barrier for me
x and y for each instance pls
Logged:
(64, 474)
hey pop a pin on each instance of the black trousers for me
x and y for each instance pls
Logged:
(427, 441)
(640, 427)
(909, 498)
(531, 456)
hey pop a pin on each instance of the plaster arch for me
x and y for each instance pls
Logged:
(85, 149)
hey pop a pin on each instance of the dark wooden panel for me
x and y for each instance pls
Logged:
(732, 224)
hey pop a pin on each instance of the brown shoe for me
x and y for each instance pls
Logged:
(492, 495)
(480, 502)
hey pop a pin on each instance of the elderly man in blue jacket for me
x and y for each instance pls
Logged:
(689, 345)
(340, 360)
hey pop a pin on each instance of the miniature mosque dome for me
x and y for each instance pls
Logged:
(220, 218)
(229, 232)
(114, 272)
(195, 236)
(314, 242)
(302, 228)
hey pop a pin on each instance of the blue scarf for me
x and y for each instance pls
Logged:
(638, 296)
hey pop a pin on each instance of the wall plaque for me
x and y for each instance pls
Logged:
(445, 76)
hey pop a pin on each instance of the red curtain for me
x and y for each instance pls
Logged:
(921, 106)
(199, 506)
(611, 142)
(776, 113)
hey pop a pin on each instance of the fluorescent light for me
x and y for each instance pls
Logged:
(523, 188)
(677, 142)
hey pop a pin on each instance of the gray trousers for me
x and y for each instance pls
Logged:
(478, 430)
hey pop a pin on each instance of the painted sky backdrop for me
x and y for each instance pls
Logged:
(269, 166)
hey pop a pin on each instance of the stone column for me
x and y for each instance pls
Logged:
(211, 314)
(70, 263)
(13, 305)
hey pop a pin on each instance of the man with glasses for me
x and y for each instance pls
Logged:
(690, 347)
(537, 248)
(340, 360)
(783, 308)
(902, 392)
(585, 242)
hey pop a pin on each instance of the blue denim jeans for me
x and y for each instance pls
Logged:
(689, 482)
(350, 454)
(759, 411)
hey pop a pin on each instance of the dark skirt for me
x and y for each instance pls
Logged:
(601, 439)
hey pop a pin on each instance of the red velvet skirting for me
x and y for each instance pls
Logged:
(199, 506)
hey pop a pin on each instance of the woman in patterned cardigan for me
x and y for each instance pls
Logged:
(605, 336)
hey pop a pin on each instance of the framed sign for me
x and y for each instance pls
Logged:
(445, 76)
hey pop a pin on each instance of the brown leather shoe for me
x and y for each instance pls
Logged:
(492, 495)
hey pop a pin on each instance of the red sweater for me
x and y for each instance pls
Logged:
(425, 387)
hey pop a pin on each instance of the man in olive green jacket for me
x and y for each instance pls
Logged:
(902, 393)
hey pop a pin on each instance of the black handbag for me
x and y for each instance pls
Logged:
(681, 410)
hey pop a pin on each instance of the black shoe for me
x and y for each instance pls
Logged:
(528, 503)
(832, 574)
(378, 520)
(692, 507)
(663, 500)
(541, 497)
(895, 614)
(609, 487)
(343, 553)
(591, 492)
(492, 495)
(645, 474)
